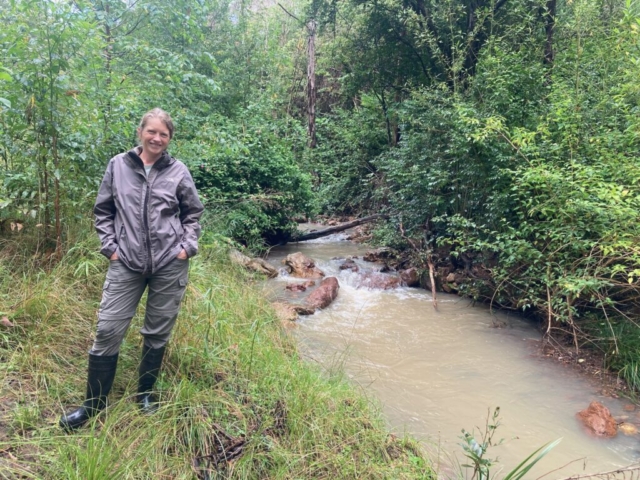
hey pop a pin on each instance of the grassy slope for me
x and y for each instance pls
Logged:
(231, 377)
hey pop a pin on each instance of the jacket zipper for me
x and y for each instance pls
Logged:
(146, 226)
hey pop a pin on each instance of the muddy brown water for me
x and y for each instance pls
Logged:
(437, 372)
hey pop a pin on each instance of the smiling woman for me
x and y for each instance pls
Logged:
(147, 217)
(155, 132)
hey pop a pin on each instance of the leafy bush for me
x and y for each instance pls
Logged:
(342, 163)
(569, 248)
(437, 169)
(247, 178)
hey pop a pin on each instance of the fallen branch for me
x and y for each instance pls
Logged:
(339, 228)
(226, 450)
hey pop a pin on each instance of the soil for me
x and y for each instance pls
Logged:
(589, 364)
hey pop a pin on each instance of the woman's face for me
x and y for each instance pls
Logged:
(154, 137)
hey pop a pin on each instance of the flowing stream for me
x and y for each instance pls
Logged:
(437, 372)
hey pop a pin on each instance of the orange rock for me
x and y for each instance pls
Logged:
(598, 420)
(303, 267)
(410, 277)
(349, 264)
(377, 255)
(378, 281)
(324, 294)
(296, 287)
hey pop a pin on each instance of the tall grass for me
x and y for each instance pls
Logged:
(237, 401)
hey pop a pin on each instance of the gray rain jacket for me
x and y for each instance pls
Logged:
(147, 220)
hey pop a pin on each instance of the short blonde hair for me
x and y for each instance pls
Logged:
(161, 115)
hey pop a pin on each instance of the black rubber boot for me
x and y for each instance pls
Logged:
(102, 371)
(148, 374)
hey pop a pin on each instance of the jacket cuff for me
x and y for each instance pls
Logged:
(190, 249)
(109, 250)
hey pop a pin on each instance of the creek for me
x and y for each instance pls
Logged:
(436, 372)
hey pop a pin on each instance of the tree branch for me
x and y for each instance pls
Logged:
(292, 15)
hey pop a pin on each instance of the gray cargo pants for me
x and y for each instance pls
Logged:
(121, 294)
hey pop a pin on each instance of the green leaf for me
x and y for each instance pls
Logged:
(523, 468)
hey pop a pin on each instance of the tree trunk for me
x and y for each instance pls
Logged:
(387, 120)
(311, 81)
(479, 39)
(108, 50)
(549, 26)
(56, 186)
(336, 229)
(45, 192)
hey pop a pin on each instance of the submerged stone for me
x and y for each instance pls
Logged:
(598, 420)
(628, 429)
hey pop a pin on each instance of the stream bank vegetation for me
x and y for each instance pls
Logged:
(237, 399)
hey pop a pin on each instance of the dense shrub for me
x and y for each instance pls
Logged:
(342, 164)
(248, 179)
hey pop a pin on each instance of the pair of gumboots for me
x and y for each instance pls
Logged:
(102, 370)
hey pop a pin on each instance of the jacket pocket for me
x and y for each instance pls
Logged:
(122, 237)
(124, 251)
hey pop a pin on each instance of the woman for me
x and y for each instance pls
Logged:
(147, 214)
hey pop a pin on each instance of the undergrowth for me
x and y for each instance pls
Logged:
(236, 399)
